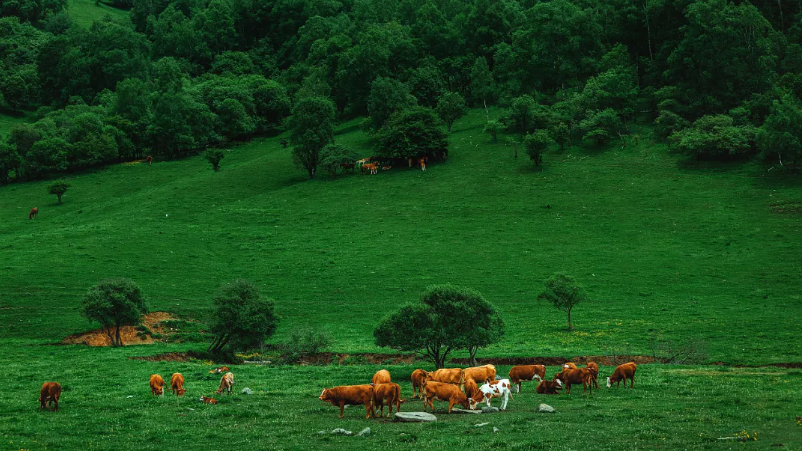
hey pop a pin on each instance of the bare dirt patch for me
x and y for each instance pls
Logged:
(166, 357)
(129, 334)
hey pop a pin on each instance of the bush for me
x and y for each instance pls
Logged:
(114, 303)
(241, 318)
(304, 343)
(214, 156)
(715, 136)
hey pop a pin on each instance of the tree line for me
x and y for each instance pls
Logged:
(720, 79)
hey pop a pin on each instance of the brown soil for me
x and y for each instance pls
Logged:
(166, 357)
(128, 333)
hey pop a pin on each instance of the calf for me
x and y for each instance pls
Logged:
(621, 373)
(373, 167)
(220, 370)
(208, 400)
(177, 384)
(226, 383)
(418, 379)
(448, 376)
(496, 389)
(352, 395)
(34, 213)
(149, 160)
(548, 387)
(389, 392)
(381, 377)
(526, 373)
(594, 372)
(481, 374)
(156, 385)
(49, 394)
(445, 392)
(570, 376)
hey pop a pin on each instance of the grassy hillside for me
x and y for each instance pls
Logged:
(687, 251)
(85, 12)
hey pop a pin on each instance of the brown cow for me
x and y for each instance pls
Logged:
(621, 373)
(374, 168)
(418, 380)
(156, 385)
(350, 166)
(149, 160)
(570, 376)
(208, 400)
(570, 365)
(548, 387)
(222, 369)
(226, 383)
(389, 392)
(481, 374)
(49, 394)
(177, 384)
(472, 389)
(448, 376)
(594, 372)
(352, 395)
(526, 373)
(445, 392)
(381, 377)
(34, 213)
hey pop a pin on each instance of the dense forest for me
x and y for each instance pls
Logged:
(719, 80)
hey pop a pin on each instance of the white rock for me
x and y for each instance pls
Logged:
(363, 432)
(495, 430)
(489, 409)
(247, 391)
(545, 408)
(480, 425)
(414, 417)
(341, 431)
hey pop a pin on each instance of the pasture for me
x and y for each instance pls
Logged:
(85, 12)
(690, 251)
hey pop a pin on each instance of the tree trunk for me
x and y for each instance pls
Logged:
(472, 351)
(648, 28)
(59, 198)
(119, 338)
(570, 326)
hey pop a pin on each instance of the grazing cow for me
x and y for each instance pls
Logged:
(472, 389)
(156, 385)
(495, 389)
(177, 384)
(49, 394)
(570, 376)
(445, 392)
(373, 167)
(389, 392)
(448, 376)
(350, 166)
(548, 387)
(352, 395)
(621, 373)
(418, 380)
(594, 372)
(222, 369)
(149, 160)
(526, 373)
(381, 377)
(34, 213)
(570, 365)
(226, 383)
(208, 400)
(481, 374)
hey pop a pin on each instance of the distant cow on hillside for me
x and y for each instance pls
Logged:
(34, 213)
(49, 394)
(621, 373)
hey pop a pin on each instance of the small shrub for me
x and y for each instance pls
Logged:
(304, 343)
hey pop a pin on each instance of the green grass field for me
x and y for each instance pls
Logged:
(706, 252)
(86, 12)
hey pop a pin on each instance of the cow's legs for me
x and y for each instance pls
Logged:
(632, 382)
(342, 408)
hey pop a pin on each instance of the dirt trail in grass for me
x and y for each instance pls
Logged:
(129, 334)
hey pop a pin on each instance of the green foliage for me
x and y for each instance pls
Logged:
(412, 133)
(241, 318)
(601, 126)
(447, 318)
(450, 107)
(114, 303)
(714, 137)
(387, 96)
(334, 155)
(561, 135)
(668, 123)
(492, 127)
(482, 81)
(781, 134)
(213, 156)
(564, 293)
(312, 128)
(536, 144)
(31, 10)
(426, 84)
(526, 115)
(58, 188)
(304, 343)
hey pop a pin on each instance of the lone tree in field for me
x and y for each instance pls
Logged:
(562, 291)
(242, 319)
(450, 107)
(536, 144)
(58, 188)
(312, 127)
(114, 303)
(214, 156)
(493, 127)
(446, 319)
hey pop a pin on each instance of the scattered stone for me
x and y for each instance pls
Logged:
(321, 432)
(190, 408)
(414, 417)
(363, 432)
(489, 409)
(496, 430)
(129, 396)
(545, 408)
(455, 410)
(247, 391)
(341, 431)
(480, 425)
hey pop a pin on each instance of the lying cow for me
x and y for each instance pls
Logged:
(208, 400)
(445, 392)
(496, 389)
(548, 387)
(222, 369)
(418, 379)
(621, 373)
(570, 376)
(352, 395)
(177, 384)
(389, 392)
(226, 383)
(156, 385)
(481, 374)
(381, 377)
(448, 376)
(49, 395)
(526, 373)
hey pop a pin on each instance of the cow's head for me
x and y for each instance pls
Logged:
(181, 392)
(473, 402)
(325, 395)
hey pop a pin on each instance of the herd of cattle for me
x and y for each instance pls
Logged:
(459, 386)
